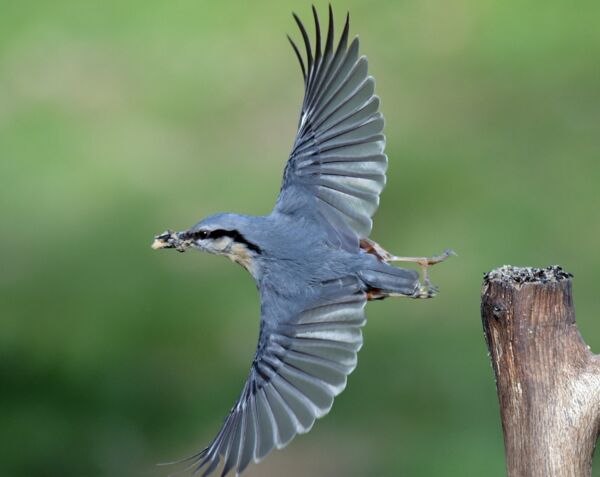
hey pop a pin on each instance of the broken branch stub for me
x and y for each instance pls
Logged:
(547, 379)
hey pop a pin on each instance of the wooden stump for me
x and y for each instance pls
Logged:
(547, 379)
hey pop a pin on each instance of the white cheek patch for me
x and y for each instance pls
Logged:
(222, 244)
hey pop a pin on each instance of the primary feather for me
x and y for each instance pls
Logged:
(336, 170)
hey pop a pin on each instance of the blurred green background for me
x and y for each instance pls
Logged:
(119, 119)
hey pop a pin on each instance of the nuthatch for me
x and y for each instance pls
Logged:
(311, 258)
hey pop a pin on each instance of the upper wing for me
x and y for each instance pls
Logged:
(337, 167)
(301, 363)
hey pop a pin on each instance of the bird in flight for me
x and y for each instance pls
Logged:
(311, 257)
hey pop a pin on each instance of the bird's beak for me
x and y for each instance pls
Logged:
(170, 239)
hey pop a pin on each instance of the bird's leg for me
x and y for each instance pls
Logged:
(426, 290)
(424, 262)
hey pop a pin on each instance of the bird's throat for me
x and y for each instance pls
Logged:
(238, 253)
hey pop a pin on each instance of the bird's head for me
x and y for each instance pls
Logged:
(222, 234)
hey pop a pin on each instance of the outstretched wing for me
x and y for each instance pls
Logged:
(301, 364)
(337, 167)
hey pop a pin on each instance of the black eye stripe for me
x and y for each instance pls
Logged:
(233, 234)
(218, 233)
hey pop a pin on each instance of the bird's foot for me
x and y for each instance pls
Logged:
(426, 289)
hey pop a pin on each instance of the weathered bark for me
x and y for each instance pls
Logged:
(547, 379)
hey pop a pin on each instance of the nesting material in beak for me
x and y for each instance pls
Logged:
(158, 244)
(169, 239)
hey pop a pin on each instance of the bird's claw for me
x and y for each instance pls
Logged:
(426, 290)
(440, 258)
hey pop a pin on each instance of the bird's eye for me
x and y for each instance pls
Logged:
(200, 234)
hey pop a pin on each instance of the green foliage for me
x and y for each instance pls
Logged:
(119, 119)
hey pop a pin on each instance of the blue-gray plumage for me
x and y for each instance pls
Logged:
(311, 258)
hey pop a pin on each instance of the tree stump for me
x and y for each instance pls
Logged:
(547, 379)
